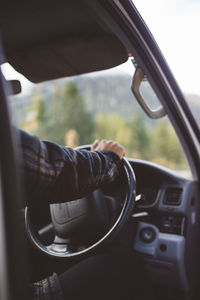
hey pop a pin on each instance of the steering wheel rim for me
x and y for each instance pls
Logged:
(124, 215)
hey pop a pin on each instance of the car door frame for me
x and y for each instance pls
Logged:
(14, 272)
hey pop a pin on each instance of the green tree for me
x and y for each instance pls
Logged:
(41, 118)
(75, 116)
(140, 137)
(113, 127)
(62, 112)
(165, 146)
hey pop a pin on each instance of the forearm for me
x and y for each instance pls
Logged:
(64, 173)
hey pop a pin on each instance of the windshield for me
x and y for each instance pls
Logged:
(77, 110)
(175, 25)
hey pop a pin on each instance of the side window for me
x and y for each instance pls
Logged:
(77, 110)
(167, 21)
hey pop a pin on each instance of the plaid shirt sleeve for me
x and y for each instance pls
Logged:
(61, 172)
(47, 289)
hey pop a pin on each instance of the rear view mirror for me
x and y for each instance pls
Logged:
(145, 95)
(14, 87)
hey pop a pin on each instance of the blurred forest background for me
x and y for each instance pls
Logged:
(76, 111)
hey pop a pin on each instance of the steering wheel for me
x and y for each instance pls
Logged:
(64, 252)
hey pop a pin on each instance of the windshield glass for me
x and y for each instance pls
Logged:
(175, 25)
(77, 110)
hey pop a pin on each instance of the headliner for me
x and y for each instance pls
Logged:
(46, 40)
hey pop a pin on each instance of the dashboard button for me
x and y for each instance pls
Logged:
(147, 235)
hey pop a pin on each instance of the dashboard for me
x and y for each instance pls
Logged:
(167, 234)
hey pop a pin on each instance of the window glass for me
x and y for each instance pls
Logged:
(77, 110)
(175, 25)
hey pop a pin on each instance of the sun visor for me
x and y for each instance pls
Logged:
(69, 57)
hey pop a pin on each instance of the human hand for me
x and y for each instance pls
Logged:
(109, 145)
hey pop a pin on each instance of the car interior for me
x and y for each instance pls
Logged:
(151, 208)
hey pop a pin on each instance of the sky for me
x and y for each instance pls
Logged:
(175, 25)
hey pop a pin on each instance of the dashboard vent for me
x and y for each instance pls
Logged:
(173, 196)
